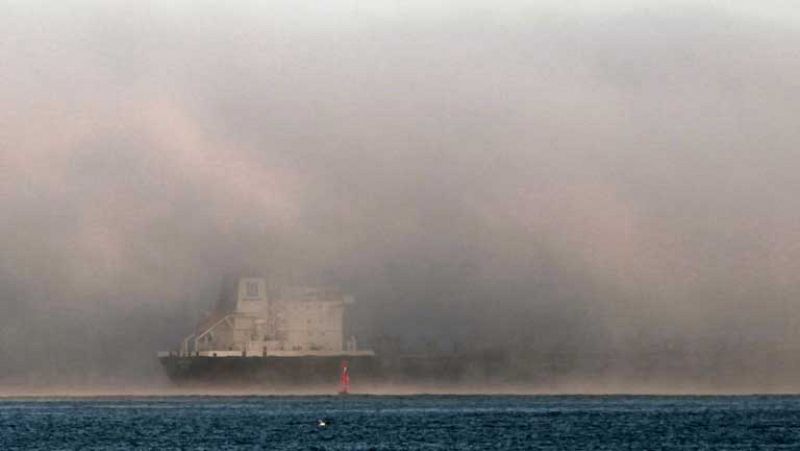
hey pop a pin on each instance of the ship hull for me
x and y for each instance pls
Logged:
(323, 370)
(269, 371)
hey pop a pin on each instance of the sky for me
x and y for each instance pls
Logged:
(611, 179)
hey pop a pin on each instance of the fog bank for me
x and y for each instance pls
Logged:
(611, 184)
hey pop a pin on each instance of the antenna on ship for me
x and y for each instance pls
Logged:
(344, 379)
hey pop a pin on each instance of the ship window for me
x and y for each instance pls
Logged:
(251, 289)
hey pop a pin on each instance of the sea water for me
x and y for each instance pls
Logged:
(403, 422)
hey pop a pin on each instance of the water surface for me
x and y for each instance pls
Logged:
(403, 422)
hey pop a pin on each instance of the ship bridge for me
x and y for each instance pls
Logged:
(285, 322)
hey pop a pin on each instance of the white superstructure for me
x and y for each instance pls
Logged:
(292, 321)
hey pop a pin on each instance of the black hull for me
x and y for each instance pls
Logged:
(271, 371)
(319, 370)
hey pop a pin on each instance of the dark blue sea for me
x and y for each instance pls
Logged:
(403, 422)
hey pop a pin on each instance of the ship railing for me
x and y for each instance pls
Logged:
(198, 337)
(185, 345)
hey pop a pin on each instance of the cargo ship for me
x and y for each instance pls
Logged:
(260, 334)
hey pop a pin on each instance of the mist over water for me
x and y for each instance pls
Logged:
(607, 195)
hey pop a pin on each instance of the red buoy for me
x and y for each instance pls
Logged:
(344, 379)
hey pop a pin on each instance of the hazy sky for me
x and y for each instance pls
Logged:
(600, 177)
